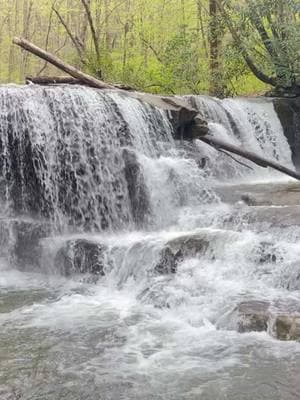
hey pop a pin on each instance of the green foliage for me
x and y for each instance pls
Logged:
(270, 31)
(160, 46)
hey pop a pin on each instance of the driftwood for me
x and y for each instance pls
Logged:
(261, 161)
(188, 117)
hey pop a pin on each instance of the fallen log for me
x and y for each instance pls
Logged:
(53, 80)
(261, 161)
(57, 62)
(66, 80)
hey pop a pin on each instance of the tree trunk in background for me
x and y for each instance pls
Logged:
(126, 32)
(107, 26)
(27, 16)
(200, 28)
(215, 85)
(183, 22)
(14, 29)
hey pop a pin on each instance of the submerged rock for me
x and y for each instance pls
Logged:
(27, 248)
(282, 321)
(267, 252)
(168, 261)
(20, 241)
(81, 256)
(252, 316)
(176, 250)
(287, 327)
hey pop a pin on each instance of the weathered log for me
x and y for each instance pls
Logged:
(57, 62)
(261, 161)
(54, 80)
(67, 80)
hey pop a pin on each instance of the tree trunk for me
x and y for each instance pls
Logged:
(215, 86)
(261, 161)
(69, 69)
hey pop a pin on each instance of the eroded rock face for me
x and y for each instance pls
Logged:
(138, 193)
(288, 111)
(176, 250)
(81, 256)
(281, 321)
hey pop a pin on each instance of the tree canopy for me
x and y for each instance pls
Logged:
(221, 47)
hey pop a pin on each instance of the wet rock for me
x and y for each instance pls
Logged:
(81, 256)
(27, 248)
(181, 113)
(176, 250)
(138, 193)
(168, 261)
(288, 111)
(267, 253)
(20, 241)
(252, 201)
(194, 130)
(282, 321)
(253, 316)
(276, 194)
(291, 279)
(287, 327)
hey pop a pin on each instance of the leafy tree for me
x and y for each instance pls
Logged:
(267, 35)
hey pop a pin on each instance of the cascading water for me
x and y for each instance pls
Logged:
(138, 256)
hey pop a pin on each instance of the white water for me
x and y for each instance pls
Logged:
(136, 334)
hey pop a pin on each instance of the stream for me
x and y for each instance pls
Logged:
(129, 260)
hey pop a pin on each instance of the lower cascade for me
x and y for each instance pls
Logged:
(138, 266)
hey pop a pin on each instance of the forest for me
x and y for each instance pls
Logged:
(219, 47)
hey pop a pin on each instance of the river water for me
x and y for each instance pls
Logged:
(83, 166)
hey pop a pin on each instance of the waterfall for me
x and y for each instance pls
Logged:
(67, 153)
(250, 123)
(62, 153)
(135, 265)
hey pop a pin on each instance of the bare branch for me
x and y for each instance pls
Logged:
(92, 27)
(74, 39)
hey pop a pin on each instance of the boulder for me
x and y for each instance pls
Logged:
(287, 327)
(252, 316)
(176, 250)
(81, 256)
(282, 321)
(168, 261)
(181, 113)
